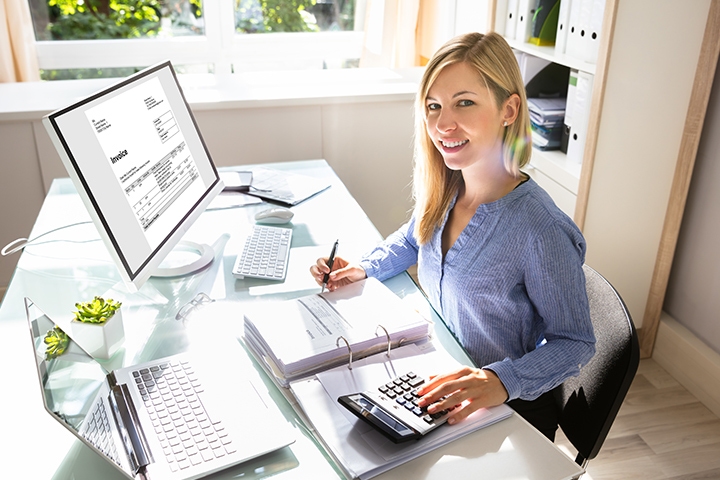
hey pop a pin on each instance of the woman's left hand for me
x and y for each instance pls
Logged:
(467, 388)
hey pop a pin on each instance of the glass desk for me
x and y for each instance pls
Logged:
(71, 264)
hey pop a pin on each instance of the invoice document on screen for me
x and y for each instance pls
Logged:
(138, 132)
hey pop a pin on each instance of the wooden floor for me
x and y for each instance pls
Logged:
(661, 432)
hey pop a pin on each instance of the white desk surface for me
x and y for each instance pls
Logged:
(72, 264)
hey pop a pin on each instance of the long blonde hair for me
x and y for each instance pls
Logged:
(435, 185)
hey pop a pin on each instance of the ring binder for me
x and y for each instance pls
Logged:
(269, 333)
(337, 344)
(387, 335)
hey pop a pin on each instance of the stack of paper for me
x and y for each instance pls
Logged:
(296, 338)
(546, 121)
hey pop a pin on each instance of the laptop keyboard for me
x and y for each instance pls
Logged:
(97, 432)
(265, 254)
(188, 435)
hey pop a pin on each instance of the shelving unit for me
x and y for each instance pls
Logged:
(548, 53)
(552, 169)
(652, 81)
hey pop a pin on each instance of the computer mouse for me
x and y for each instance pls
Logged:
(275, 215)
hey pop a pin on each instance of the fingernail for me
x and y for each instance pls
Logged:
(451, 421)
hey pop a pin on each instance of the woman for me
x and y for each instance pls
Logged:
(497, 259)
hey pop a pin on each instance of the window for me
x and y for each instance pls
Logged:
(90, 38)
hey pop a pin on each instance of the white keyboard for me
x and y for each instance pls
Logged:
(265, 254)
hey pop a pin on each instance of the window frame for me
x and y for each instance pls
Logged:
(220, 47)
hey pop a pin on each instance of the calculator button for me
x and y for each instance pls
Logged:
(416, 382)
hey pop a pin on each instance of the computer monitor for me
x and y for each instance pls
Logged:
(140, 165)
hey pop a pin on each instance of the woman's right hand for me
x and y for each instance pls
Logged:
(343, 273)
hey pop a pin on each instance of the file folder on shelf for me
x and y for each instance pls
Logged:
(569, 111)
(530, 65)
(523, 27)
(573, 46)
(511, 19)
(545, 22)
(580, 117)
(591, 44)
(585, 20)
(562, 27)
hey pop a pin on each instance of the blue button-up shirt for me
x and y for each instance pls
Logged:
(511, 288)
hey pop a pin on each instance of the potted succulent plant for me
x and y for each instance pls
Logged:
(98, 326)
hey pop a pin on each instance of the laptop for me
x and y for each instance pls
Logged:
(171, 418)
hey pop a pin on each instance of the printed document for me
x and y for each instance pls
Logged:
(153, 165)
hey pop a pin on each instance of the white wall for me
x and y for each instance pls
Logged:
(693, 294)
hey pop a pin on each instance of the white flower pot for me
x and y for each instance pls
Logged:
(100, 340)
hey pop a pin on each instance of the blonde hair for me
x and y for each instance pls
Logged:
(435, 185)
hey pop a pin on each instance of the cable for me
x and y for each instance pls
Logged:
(5, 251)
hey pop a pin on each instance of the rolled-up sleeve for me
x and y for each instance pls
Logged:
(397, 253)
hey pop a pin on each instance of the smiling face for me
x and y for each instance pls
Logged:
(464, 120)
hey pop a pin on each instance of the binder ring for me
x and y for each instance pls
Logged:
(387, 335)
(337, 344)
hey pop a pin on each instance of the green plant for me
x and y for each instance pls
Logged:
(94, 19)
(98, 310)
(56, 341)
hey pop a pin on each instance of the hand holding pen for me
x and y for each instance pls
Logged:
(344, 273)
(330, 262)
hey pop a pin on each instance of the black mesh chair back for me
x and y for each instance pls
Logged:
(589, 403)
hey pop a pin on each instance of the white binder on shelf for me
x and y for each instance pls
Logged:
(501, 8)
(562, 28)
(580, 116)
(573, 44)
(511, 19)
(591, 41)
(569, 110)
(523, 27)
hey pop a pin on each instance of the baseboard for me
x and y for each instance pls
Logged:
(690, 361)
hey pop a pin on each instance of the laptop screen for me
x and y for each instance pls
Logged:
(70, 378)
(74, 387)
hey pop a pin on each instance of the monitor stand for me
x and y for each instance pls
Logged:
(185, 258)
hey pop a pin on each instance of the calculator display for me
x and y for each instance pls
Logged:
(367, 410)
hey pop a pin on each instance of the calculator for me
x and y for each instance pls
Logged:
(393, 409)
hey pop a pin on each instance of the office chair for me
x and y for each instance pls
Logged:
(589, 403)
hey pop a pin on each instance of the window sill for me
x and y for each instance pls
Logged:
(32, 100)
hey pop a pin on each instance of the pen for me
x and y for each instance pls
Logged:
(330, 262)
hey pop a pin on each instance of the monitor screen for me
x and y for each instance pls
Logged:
(140, 165)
